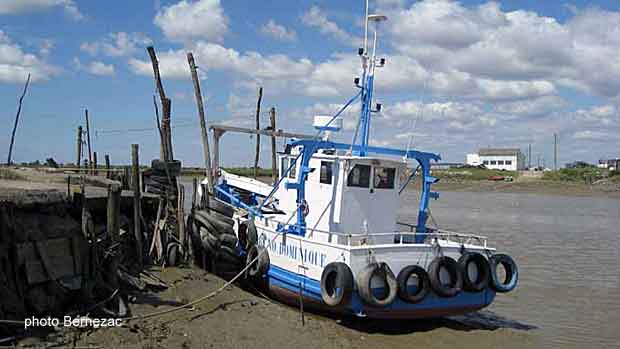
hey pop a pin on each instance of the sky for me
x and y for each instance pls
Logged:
(460, 75)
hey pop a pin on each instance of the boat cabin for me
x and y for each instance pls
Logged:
(345, 194)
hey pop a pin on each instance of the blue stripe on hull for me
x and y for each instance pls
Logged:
(288, 285)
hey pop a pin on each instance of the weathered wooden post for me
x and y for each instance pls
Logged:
(181, 216)
(274, 168)
(135, 162)
(126, 177)
(113, 227)
(194, 194)
(79, 147)
(90, 153)
(203, 124)
(260, 97)
(108, 175)
(166, 106)
(19, 109)
(95, 163)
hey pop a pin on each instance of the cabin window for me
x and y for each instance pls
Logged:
(283, 166)
(500, 162)
(493, 162)
(359, 176)
(508, 162)
(486, 162)
(384, 178)
(326, 172)
(285, 163)
(293, 170)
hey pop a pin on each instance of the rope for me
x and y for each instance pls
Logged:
(214, 293)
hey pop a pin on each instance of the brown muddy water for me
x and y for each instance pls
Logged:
(568, 251)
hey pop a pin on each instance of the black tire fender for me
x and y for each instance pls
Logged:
(422, 289)
(247, 234)
(221, 208)
(209, 241)
(229, 240)
(482, 265)
(259, 267)
(364, 288)
(214, 224)
(336, 284)
(456, 276)
(226, 256)
(512, 273)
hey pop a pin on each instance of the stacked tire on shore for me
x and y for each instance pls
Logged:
(161, 177)
(216, 246)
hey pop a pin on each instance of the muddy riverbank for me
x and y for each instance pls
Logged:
(238, 318)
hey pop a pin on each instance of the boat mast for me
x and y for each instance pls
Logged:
(368, 65)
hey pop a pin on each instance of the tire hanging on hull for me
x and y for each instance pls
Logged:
(512, 273)
(364, 287)
(422, 288)
(336, 284)
(454, 285)
(481, 280)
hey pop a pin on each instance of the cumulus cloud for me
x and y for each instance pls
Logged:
(15, 64)
(211, 56)
(100, 68)
(117, 44)
(278, 32)
(188, 20)
(25, 6)
(95, 67)
(488, 44)
(317, 18)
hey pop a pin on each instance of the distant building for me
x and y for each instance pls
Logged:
(509, 159)
(611, 164)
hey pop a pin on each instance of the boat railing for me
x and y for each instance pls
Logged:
(399, 237)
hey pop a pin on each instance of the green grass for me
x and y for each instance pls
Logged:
(249, 171)
(473, 174)
(240, 171)
(587, 175)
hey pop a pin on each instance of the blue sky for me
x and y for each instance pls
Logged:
(460, 75)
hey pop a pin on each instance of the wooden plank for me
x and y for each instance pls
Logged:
(135, 162)
(277, 133)
(51, 259)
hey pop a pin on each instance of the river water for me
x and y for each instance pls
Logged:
(567, 249)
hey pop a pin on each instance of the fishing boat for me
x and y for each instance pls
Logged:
(326, 233)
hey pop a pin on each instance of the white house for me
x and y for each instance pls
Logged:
(473, 159)
(509, 159)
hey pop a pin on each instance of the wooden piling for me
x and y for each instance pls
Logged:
(95, 172)
(194, 194)
(274, 167)
(203, 123)
(113, 227)
(79, 147)
(256, 158)
(108, 174)
(166, 106)
(19, 109)
(126, 177)
(90, 153)
(135, 162)
(181, 216)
